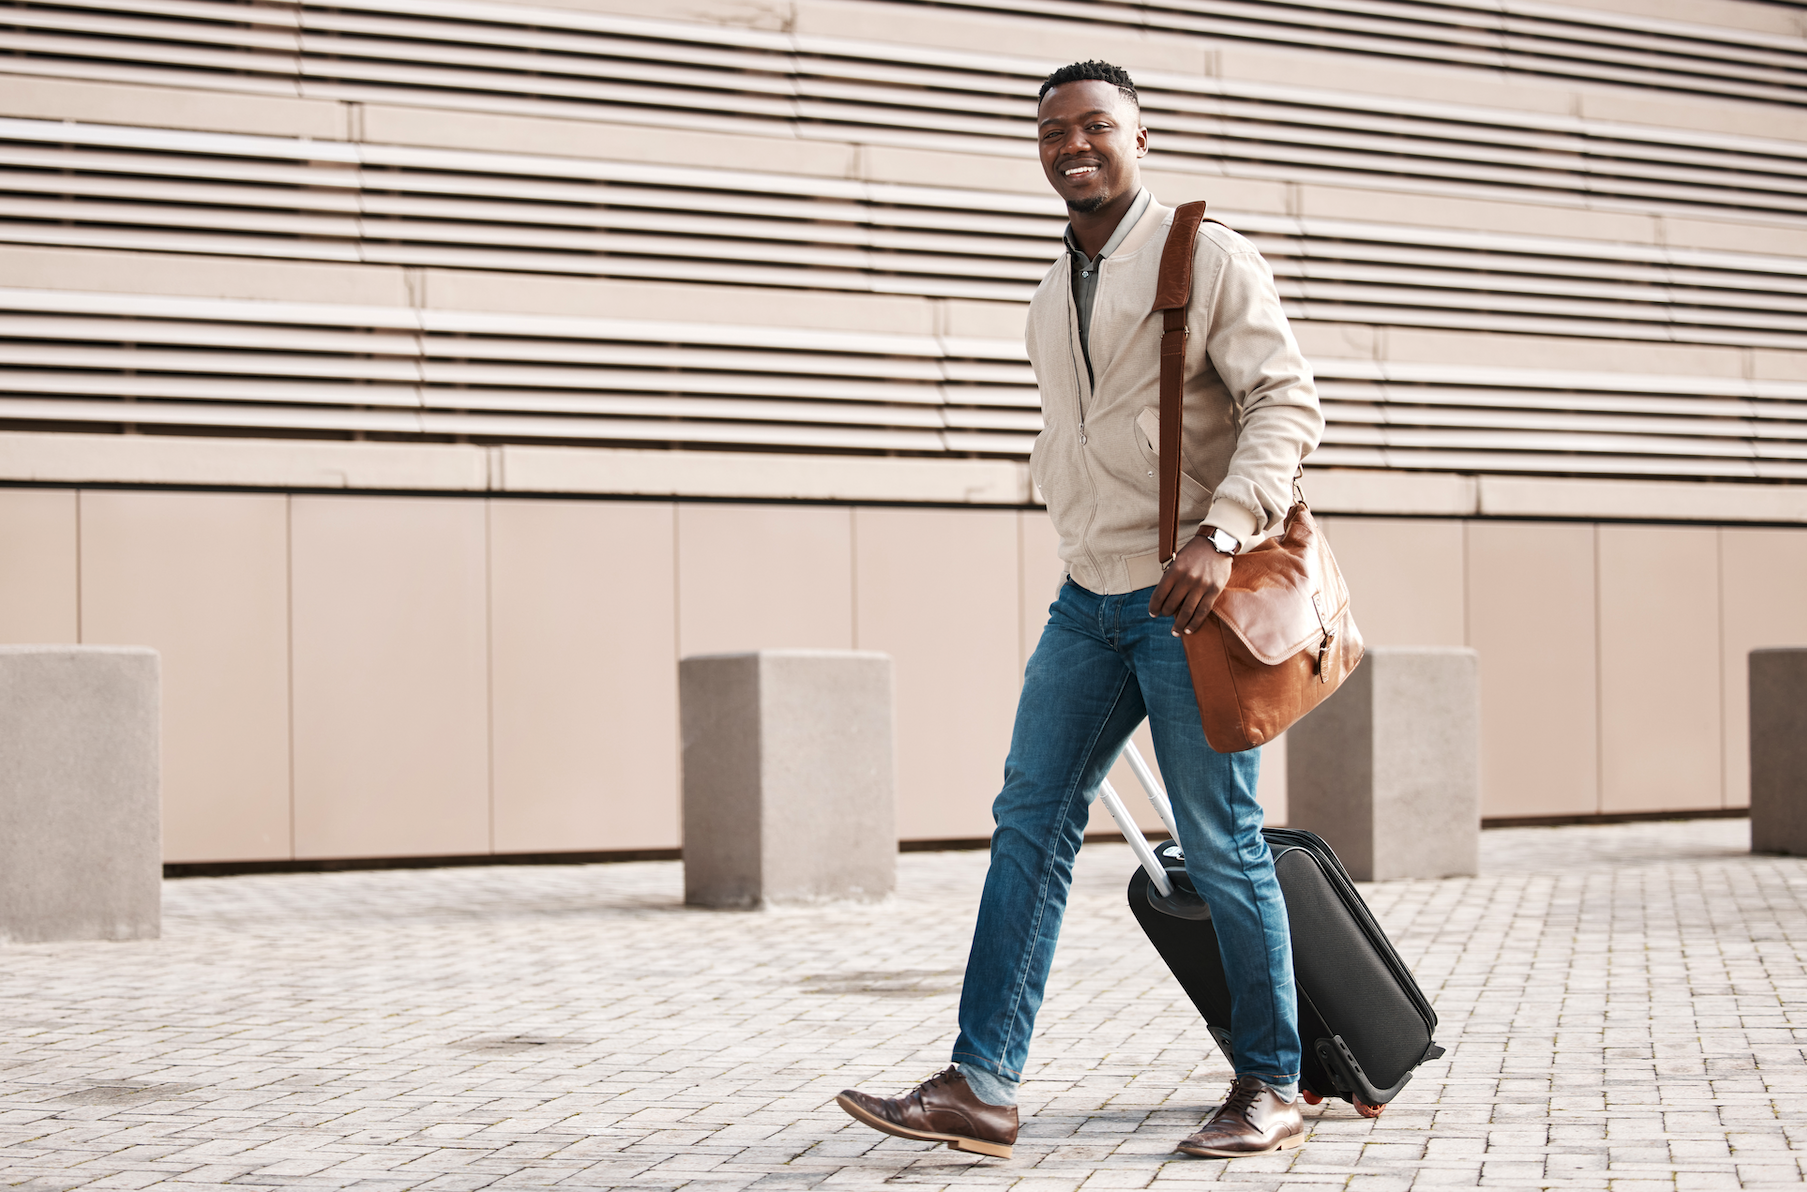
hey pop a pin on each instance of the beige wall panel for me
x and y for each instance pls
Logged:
(1763, 595)
(1447, 211)
(1659, 669)
(203, 578)
(608, 140)
(1620, 500)
(1727, 236)
(892, 163)
(200, 276)
(616, 298)
(38, 566)
(1640, 105)
(583, 670)
(1376, 75)
(719, 12)
(1549, 351)
(391, 706)
(167, 107)
(1531, 618)
(1405, 578)
(1226, 195)
(761, 577)
(1734, 14)
(1054, 41)
(986, 320)
(218, 460)
(1340, 341)
(1777, 365)
(937, 589)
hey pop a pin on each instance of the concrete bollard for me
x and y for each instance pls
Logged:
(789, 789)
(1778, 686)
(1388, 770)
(81, 841)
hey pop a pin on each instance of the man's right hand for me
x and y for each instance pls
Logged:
(1191, 586)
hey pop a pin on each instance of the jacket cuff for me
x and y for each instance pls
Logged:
(1232, 519)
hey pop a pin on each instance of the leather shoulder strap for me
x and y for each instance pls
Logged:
(1172, 294)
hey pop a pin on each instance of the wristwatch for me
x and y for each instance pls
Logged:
(1222, 541)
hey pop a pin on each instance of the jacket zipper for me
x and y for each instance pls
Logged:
(1081, 383)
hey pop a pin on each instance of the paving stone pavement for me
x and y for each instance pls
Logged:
(1625, 1009)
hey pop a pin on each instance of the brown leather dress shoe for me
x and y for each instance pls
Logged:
(940, 1109)
(1253, 1120)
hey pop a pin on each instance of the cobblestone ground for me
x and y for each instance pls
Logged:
(1625, 1008)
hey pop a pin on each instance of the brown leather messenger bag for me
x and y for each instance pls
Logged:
(1280, 638)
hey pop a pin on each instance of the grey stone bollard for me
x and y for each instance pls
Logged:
(789, 789)
(1388, 770)
(81, 840)
(1778, 686)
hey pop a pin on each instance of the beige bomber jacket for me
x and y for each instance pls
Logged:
(1251, 408)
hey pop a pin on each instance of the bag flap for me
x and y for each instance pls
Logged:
(1284, 592)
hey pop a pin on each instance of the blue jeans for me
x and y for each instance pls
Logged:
(1102, 665)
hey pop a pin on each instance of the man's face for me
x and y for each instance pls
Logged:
(1091, 141)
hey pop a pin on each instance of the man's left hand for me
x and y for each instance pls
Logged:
(1191, 586)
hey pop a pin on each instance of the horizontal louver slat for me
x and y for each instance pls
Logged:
(108, 360)
(163, 198)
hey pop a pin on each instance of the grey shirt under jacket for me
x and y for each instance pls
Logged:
(1085, 269)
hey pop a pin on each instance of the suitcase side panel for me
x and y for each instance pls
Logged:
(1348, 981)
(1280, 839)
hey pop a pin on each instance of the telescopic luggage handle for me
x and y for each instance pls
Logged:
(1157, 875)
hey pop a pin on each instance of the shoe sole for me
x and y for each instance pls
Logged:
(1292, 1142)
(996, 1150)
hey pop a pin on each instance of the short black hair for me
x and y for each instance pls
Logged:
(1102, 72)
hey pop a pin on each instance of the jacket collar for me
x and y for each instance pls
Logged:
(1152, 221)
(1128, 224)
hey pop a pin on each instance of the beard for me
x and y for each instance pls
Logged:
(1087, 206)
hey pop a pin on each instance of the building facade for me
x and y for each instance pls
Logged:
(425, 379)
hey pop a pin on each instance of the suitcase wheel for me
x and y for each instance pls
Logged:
(1311, 1098)
(1367, 1110)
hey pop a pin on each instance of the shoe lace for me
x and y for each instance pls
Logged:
(1240, 1099)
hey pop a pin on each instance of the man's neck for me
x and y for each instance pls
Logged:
(1091, 230)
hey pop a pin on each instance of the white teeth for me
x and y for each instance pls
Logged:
(1081, 170)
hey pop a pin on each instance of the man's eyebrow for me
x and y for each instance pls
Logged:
(1082, 116)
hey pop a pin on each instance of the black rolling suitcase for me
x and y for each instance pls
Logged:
(1363, 1022)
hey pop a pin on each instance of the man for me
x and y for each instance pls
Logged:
(1111, 652)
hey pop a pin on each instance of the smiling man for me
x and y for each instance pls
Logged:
(1111, 653)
